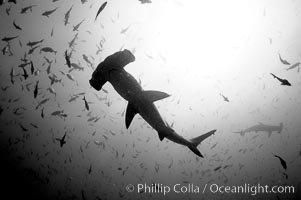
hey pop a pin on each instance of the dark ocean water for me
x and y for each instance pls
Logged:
(201, 53)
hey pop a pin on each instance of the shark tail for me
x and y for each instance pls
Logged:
(197, 140)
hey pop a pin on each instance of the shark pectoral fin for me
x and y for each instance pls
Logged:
(131, 111)
(152, 95)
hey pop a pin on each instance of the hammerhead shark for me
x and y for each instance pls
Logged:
(262, 127)
(139, 101)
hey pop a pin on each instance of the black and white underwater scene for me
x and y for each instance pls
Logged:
(150, 99)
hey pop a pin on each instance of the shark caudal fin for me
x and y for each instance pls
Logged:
(197, 140)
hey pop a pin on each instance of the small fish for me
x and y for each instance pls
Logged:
(285, 175)
(6, 50)
(42, 113)
(90, 169)
(27, 8)
(63, 115)
(35, 92)
(217, 168)
(18, 111)
(24, 59)
(51, 90)
(73, 98)
(48, 70)
(125, 29)
(23, 65)
(86, 103)
(82, 191)
(27, 86)
(76, 27)
(67, 16)
(72, 42)
(47, 60)
(16, 26)
(31, 68)
(12, 74)
(224, 97)
(62, 140)
(25, 75)
(213, 146)
(33, 125)
(32, 50)
(283, 81)
(87, 59)
(285, 62)
(7, 39)
(70, 77)
(99, 49)
(7, 10)
(77, 67)
(49, 12)
(283, 163)
(58, 112)
(145, 1)
(1, 110)
(42, 102)
(32, 44)
(52, 31)
(53, 79)
(23, 128)
(48, 50)
(81, 93)
(293, 66)
(100, 9)
(67, 58)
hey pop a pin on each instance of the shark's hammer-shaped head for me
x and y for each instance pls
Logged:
(116, 61)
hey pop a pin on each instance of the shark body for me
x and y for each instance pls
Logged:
(263, 128)
(139, 101)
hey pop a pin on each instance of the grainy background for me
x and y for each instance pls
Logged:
(193, 50)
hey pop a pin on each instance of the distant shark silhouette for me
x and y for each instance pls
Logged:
(139, 101)
(262, 127)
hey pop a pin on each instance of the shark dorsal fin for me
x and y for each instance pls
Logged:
(152, 95)
(131, 111)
